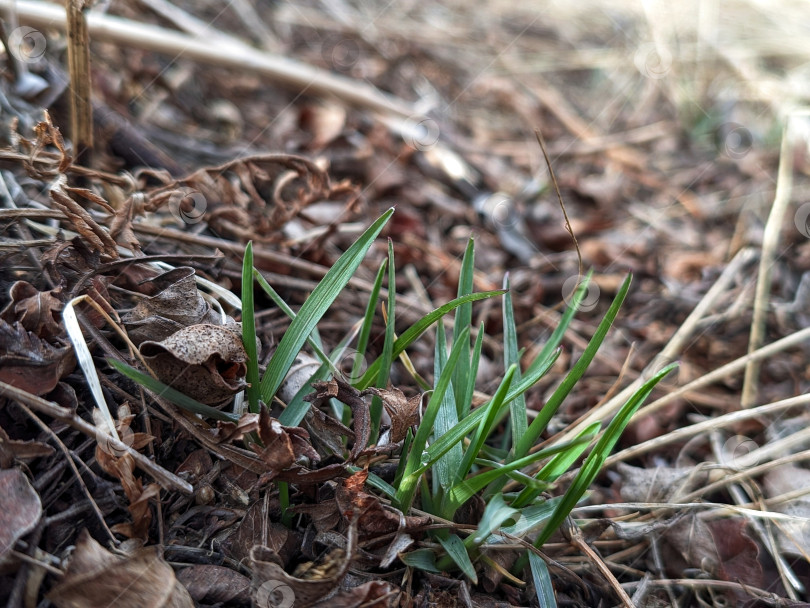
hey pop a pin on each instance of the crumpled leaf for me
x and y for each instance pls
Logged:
(21, 509)
(31, 364)
(282, 446)
(96, 577)
(37, 311)
(657, 484)
(206, 362)
(312, 581)
(64, 198)
(793, 536)
(344, 392)
(404, 412)
(176, 303)
(12, 449)
(215, 584)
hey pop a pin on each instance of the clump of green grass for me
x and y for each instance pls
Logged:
(456, 452)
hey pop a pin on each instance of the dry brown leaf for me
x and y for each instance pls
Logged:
(11, 450)
(404, 412)
(206, 362)
(21, 509)
(31, 364)
(215, 584)
(39, 312)
(344, 392)
(95, 577)
(175, 303)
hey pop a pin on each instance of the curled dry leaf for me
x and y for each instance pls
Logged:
(344, 392)
(282, 446)
(206, 362)
(64, 199)
(313, 582)
(215, 584)
(263, 193)
(96, 577)
(176, 303)
(12, 449)
(404, 412)
(31, 364)
(37, 311)
(21, 509)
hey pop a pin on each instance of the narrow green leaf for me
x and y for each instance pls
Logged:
(407, 487)
(462, 492)
(249, 330)
(315, 306)
(557, 466)
(542, 581)
(496, 513)
(458, 553)
(368, 323)
(173, 395)
(593, 463)
(485, 427)
(461, 377)
(565, 321)
(444, 443)
(410, 335)
(387, 357)
(538, 425)
(445, 470)
(423, 559)
(511, 357)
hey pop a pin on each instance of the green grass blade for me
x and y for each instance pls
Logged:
(173, 395)
(556, 466)
(249, 330)
(511, 357)
(463, 320)
(444, 471)
(297, 408)
(387, 358)
(539, 424)
(315, 306)
(407, 488)
(442, 444)
(565, 321)
(313, 340)
(458, 553)
(487, 422)
(542, 582)
(593, 463)
(423, 559)
(462, 492)
(410, 335)
(474, 361)
(368, 322)
(497, 513)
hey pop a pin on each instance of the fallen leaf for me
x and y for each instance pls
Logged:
(215, 584)
(12, 449)
(344, 392)
(175, 303)
(21, 509)
(206, 362)
(95, 577)
(404, 412)
(31, 364)
(39, 312)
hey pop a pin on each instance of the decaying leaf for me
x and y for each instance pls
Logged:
(29, 363)
(215, 584)
(175, 303)
(271, 583)
(404, 412)
(282, 446)
(21, 509)
(206, 362)
(37, 311)
(11, 450)
(344, 392)
(96, 577)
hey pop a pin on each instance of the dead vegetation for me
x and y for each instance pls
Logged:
(679, 141)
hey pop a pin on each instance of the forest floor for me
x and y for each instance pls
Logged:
(679, 142)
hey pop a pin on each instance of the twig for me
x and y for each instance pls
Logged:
(770, 241)
(81, 110)
(230, 53)
(166, 479)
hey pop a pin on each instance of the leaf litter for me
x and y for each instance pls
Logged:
(651, 185)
